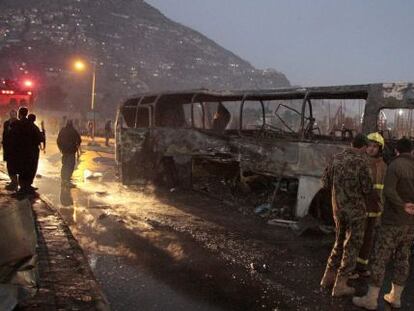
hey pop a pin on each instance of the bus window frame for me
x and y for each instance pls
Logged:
(150, 113)
(242, 104)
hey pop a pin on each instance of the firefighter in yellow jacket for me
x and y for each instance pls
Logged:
(377, 168)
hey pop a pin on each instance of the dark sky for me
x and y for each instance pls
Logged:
(314, 42)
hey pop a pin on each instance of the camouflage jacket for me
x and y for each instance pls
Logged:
(348, 177)
(398, 190)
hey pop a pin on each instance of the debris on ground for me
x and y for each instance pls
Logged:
(282, 223)
(18, 261)
(310, 223)
(100, 207)
(102, 216)
(87, 174)
(263, 208)
(259, 200)
(101, 193)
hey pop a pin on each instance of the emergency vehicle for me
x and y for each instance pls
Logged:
(15, 93)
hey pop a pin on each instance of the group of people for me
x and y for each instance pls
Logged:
(373, 208)
(22, 140)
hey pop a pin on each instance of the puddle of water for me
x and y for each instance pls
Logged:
(105, 161)
(135, 265)
(125, 283)
(128, 287)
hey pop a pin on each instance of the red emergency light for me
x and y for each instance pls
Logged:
(7, 92)
(28, 83)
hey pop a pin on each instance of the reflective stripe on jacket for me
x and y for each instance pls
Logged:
(377, 170)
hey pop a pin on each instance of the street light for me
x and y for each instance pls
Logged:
(80, 66)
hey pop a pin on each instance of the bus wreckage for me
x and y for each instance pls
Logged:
(265, 148)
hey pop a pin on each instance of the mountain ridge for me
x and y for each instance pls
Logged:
(135, 46)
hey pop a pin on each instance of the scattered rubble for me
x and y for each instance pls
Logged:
(18, 261)
(87, 174)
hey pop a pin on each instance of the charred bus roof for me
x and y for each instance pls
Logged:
(204, 95)
(399, 91)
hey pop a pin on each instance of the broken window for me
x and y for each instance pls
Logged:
(396, 123)
(187, 115)
(283, 115)
(198, 115)
(252, 118)
(143, 117)
(210, 109)
(338, 116)
(233, 107)
(193, 115)
(128, 112)
(169, 112)
(216, 116)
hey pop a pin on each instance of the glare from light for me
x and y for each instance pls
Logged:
(79, 65)
(401, 112)
(28, 83)
(7, 92)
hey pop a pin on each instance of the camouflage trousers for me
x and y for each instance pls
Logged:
(395, 241)
(349, 234)
(372, 224)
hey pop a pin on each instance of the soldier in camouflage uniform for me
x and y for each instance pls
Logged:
(396, 234)
(347, 176)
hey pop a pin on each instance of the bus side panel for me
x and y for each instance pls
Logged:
(134, 155)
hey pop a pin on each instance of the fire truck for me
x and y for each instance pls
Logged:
(15, 93)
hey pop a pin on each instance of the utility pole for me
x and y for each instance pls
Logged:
(93, 99)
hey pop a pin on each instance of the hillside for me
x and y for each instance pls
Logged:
(136, 49)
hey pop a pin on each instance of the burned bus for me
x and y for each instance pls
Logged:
(248, 141)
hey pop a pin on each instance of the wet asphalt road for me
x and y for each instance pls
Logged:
(159, 250)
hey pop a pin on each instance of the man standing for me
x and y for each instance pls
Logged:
(108, 132)
(377, 169)
(348, 178)
(68, 142)
(8, 156)
(396, 234)
(90, 130)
